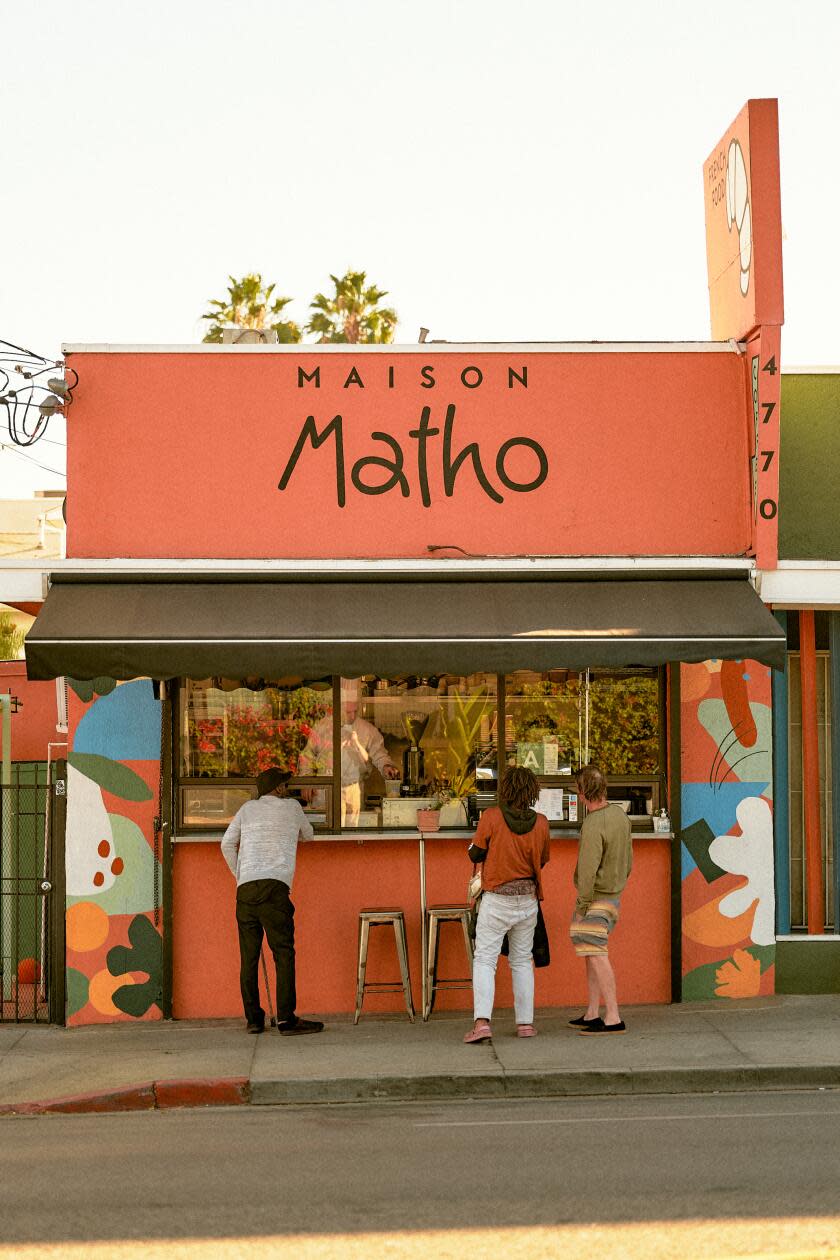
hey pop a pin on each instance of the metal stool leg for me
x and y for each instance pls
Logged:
(402, 955)
(436, 917)
(364, 936)
(431, 963)
(467, 942)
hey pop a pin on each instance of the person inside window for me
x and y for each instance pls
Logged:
(362, 750)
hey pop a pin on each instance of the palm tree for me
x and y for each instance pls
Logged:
(353, 315)
(249, 305)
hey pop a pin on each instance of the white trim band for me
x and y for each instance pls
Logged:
(802, 584)
(424, 349)
(421, 566)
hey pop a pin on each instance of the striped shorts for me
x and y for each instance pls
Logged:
(589, 934)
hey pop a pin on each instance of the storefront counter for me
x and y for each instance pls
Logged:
(337, 876)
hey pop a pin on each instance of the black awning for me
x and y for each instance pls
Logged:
(200, 628)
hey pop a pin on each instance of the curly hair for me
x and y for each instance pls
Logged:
(519, 787)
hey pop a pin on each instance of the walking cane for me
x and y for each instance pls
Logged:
(273, 1020)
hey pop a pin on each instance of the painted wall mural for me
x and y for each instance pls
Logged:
(114, 949)
(728, 928)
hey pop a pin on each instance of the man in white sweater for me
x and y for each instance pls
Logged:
(260, 847)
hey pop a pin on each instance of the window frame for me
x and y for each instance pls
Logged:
(656, 783)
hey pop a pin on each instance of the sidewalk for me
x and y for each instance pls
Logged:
(765, 1043)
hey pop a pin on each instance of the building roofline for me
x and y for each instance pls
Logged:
(420, 348)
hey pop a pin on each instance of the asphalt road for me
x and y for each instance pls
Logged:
(268, 1173)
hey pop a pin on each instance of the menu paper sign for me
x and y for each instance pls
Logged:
(550, 803)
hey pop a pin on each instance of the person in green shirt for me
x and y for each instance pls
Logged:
(605, 857)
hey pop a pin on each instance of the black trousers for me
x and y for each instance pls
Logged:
(264, 906)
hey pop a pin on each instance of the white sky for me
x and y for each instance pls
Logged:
(508, 171)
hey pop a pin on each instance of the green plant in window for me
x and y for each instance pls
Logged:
(624, 724)
(460, 720)
(547, 711)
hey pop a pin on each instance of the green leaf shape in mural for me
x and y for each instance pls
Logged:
(87, 688)
(700, 984)
(77, 991)
(144, 953)
(131, 892)
(111, 775)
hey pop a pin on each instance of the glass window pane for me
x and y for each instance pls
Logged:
(558, 720)
(624, 736)
(544, 720)
(407, 743)
(212, 806)
(229, 730)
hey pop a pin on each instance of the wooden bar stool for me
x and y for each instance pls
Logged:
(382, 918)
(436, 916)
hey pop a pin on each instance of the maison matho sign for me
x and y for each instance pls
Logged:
(390, 451)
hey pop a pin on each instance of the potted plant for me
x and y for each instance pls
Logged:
(429, 819)
(461, 725)
(451, 801)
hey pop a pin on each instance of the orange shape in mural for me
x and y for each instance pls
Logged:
(87, 926)
(102, 986)
(695, 681)
(736, 697)
(739, 977)
(708, 926)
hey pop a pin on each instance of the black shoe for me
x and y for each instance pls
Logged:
(583, 1022)
(298, 1027)
(597, 1026)
(255, 1028)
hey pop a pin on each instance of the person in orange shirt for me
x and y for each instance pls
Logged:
(512, 844)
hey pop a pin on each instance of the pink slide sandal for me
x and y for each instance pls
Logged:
(526, 1030)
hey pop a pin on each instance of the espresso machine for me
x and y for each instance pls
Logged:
(414, 769)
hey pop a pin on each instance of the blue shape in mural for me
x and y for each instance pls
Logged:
(687, 863)
(716, 806)
(124, 725)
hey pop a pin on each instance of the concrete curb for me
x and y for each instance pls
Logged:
(238, 1090)
(545, 1084)
(149, 1096)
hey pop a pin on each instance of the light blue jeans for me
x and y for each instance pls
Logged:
(517, 917)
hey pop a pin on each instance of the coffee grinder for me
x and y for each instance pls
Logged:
(414, 769)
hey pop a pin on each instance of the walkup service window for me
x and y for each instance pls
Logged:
(230, 731)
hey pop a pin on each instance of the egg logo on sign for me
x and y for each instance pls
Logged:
(738, 208)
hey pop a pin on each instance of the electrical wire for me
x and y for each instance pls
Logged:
(13, 450)
(53, 442)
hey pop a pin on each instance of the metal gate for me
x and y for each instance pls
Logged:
(31, 896)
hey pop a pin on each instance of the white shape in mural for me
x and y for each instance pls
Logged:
(90, 838)
(738, 213)
(750, 854)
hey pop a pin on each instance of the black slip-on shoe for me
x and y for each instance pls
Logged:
(598, 1027)
(583, 1022)
(299, 1027)
(255, 1028)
